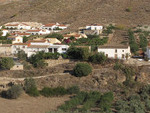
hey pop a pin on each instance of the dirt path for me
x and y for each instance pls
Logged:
(26, 104)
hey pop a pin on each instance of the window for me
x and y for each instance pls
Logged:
(64, 49)
(107, 55)
(122, 55)
(116, 51)
(55, 50)
(50, 50)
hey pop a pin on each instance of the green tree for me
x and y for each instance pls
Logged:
(82, 69)
(106, 101)
(30, 87)
(22, 55)
(25, 39)
(78, 53)
(143, 42)
(72, 38)
(98, 58)
(37, 60)
(14, 92)
(133, 45)
(7, 63)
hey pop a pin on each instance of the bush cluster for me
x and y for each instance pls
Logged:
(98, 58)
(6, 63)
(12, 93)
(30, 87)
(88, 101)
(82, 69)
(59, 91)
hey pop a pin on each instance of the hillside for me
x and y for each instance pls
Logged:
(77, 12)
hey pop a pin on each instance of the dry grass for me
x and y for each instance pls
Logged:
(26, 104)
(77, 12)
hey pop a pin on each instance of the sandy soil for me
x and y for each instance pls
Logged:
(26, 104)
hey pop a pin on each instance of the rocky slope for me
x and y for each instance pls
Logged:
(77, 12)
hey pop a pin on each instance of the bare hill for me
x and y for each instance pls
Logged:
(77, 12)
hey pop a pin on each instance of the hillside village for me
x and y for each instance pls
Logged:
(96, 57)
(33, 37)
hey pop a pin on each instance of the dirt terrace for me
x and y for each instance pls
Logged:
(26, 104)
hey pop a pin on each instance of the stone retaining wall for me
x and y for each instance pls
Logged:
(52, 63)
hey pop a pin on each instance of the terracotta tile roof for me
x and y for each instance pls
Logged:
(61, 25)
(49, 25)
(29, 41)
(23, 33)
(68, 35)
(33, 30)
(12, 25)
(38, 46)
(115, 47)
(20, 44)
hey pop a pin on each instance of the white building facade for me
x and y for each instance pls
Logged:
(38, 32)
(94, 27)
(32, 47)
(148, 52)
(116, 52)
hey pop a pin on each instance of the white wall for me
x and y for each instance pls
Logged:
(4, 32)
(112, 52)
(18, 40)
(148, 52)
(94, 27)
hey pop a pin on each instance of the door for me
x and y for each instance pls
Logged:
(116, 56)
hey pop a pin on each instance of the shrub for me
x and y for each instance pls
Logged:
(90, 100)
(73, 90)
(21, 55)
(38, 60)
(77, 100)
(30, 87)
(14, 92)
(78, 53)
(59, 91)
(6, 63)
(128, 9)
(98, 58)
(48, 92)
(117, 66)
(106, 101)
(64, 56)
(82, 69)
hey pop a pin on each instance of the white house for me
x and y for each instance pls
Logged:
(15, 39)
(33, 49)
(116, 52)
(94, 27)
(21, 34)
(53, 40)
(76, 35)
(5, 32)
(38, 32)
(17, 25)
(11, 26)
(53, 26)
(50, 26)
(58, 48)
(18, 47)
(62, 26)
(33, 46)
